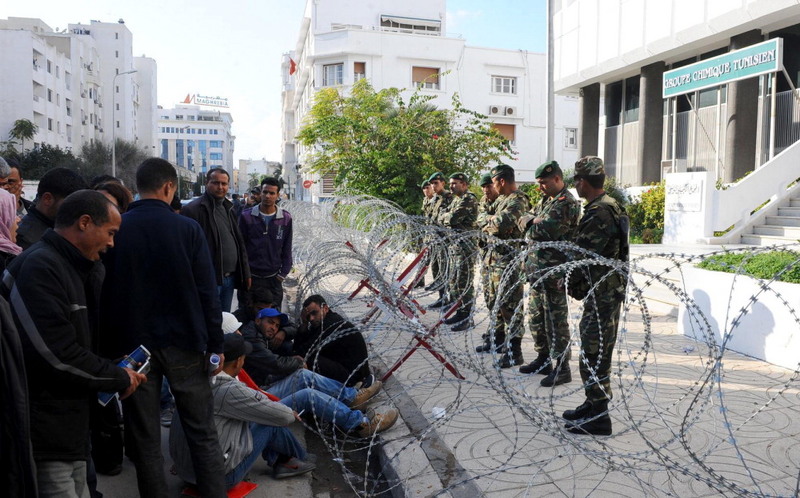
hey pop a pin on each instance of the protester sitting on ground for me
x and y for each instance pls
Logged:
(280, 341)
(53, 188)
(323, 399)
(248, 423)
(331, 345)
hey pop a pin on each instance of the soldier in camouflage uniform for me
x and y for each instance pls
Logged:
(509, 207)
(427, 204)
(485, 209)
(554, 218)
(603, 229)
(461, 217)
(439, 205)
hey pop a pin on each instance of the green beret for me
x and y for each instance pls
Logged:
(460, 177)
(549, 169)
(589, 166)
(436, 176)
(500, 169)
(486, 179)
(424, 184)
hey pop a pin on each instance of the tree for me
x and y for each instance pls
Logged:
(23, 129)
(96, 158)
(42, 159)
(377, 144)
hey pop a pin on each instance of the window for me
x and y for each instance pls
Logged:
(116, 54)
(68, 106)
(117, 124)
(507, 130)
(570, 138)
(411, 25)
(58, 71)
(116, 37)
(117, 88)
(425, 77)
(49, 95)
(359, 71)
(632, 99)
(215, 156)
(50, 124)
(49, 67)
(118, 106)
(217, 144)
(504, 84)
(613, 103)
(332, 74)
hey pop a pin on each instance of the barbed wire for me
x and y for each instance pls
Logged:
(684, 420)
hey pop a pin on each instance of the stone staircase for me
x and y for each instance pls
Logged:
(782, 228)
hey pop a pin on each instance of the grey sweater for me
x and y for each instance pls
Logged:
(235, 406)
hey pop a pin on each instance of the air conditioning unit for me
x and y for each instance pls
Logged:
(100, 104)
(496, 110)
(101, 130)
(511, 111)
(83, 121)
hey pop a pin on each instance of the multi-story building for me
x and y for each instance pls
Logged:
(699, 93)
(68, 83)
(405, 45)
(195, 139)
(254, 169)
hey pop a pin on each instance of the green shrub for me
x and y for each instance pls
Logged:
(765, 265)
(647, 216)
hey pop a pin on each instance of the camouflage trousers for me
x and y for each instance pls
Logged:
(503, 299)
(461, 284)
(598, 327)
(548, 318)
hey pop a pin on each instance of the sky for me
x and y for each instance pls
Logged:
(234, 49)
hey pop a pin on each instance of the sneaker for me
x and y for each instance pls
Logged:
(293, 467)
(365, 394)
(166, 417)
(379, 422)
(540, 365)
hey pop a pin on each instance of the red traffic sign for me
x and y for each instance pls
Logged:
(307, 183)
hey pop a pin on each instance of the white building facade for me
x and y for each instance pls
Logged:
(614, 54)
(405, 45)
(195, 139)
(66, 83)
(254, 168)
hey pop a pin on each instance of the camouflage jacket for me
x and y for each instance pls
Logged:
(603, 229)
(485, 209)
(427, 207)
(559, 221)
(462, 213)
(508, 209)
(440, 203)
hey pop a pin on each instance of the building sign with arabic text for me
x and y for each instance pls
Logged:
(198, 99)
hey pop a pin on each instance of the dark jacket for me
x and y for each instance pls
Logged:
(54, 292)
(262, 365)
(18, 475)
(202, 211)
(31, 228)
(269, 249)
(160, 289)
(338, 340)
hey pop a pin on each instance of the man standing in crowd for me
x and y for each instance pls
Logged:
(506, 279)
(440, 204)
(427, 199)
(216, 217)
(603, 229)
(486, 209)
(14, 184)
(248, 423)
(461, 217)
(553, 219)
(332, 346)
(161, 292)
(54, 186)
(267, 232)
(53, 289)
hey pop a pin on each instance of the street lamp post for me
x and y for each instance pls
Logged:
(114, 121)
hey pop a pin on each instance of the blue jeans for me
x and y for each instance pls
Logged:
(226, 293)
(326, 398)
(269, 442)
(188, 380)
(62, 479)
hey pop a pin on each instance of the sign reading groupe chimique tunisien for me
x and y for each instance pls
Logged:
(755, 60)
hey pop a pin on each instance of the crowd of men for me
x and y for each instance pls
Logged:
(92, 275)
(507, 221)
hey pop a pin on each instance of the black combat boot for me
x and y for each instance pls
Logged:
(598, 422)
(578, 413)
(541, 365)
(513, 357)
(486, 346)
(558, 375)
(439, 303)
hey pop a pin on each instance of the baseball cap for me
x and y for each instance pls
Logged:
(272, 313)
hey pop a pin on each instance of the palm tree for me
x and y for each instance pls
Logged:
(23, 129)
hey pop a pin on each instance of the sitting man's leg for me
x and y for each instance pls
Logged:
(303, 378)
(273, 444)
